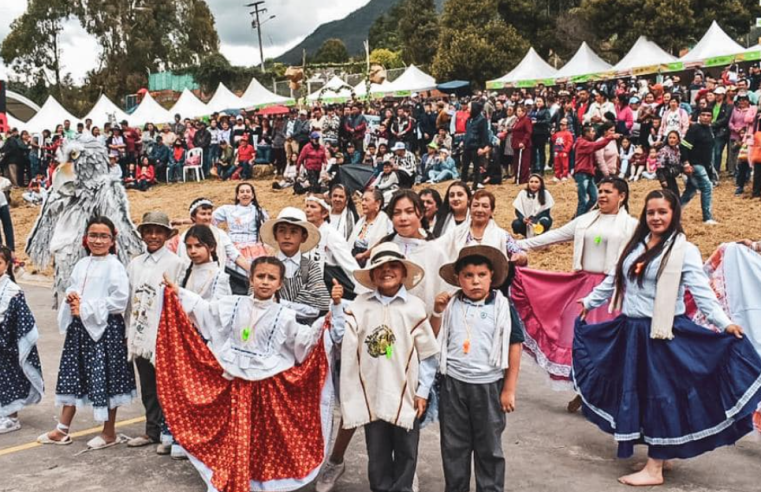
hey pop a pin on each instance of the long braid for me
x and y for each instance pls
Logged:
(188, 271)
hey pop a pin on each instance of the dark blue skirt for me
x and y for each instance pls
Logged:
(681, 397)
(20, 371)
(96, 374)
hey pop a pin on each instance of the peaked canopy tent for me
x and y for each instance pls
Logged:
(584, 66)
(412, 80)
(50, 114)
(714, 49)
(20, 106)
(14, 123)
(335, 91)
(223, 99)
(188, 105)
(531, 71)
(104, 110)
(149, 111)
(258, 96)
(376, 90)
(644, 58)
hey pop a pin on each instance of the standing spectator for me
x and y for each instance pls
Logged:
(722, 112)
(116, 148)
(670, 163)
(314, 158)
(741, 122)
(216, 134)
(16, 157)
(278, 145)
(69, 133)
(238, 130)
(331, 124)
(674, 118)
(148, 138)
(160, 157)
(606, 158)
(202, 140)
(521, 142)
(401, 127)
(355, 127)
(584, 174)
(168, 136)
(178, 128)
(540, 119)
(562, 142)
(595, 113)
(301, 130)
(477, 144)
(697, 155)
(131, 143)
(427, 125)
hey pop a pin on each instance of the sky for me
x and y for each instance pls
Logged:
(294, 20)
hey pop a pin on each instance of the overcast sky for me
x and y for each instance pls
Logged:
(294, 20)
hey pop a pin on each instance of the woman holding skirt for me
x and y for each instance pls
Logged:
(652, 376)
(598, 238)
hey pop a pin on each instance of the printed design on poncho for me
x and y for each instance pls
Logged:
(142, 303)
(380, 342)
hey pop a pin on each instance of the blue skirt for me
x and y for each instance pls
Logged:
(681, 397)
(96, 374)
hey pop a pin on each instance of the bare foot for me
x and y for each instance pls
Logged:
(651, 474)
(574, 405)
(668, 465)
(56, 435)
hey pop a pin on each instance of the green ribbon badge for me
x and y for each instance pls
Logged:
(389, 351)
(598, 240)
(245, 333)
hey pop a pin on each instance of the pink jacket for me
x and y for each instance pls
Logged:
(684, 123)
(741, 118)
(607, 159)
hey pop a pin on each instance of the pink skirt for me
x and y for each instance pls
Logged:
(546, 303)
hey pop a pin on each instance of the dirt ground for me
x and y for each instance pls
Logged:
(738, 217)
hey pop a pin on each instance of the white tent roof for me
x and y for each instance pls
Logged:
(644, 53)
(256, 94)
(224, 99)
(360, 90)
(715, 42)
(14, 123)
(149, 111)
(50, 114)
(414, 80)
(532, 67)
(103, 109)
(189, 106)
(584, 62)
(335, 88)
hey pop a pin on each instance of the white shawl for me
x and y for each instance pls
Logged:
(530, 206)
(619, 236)
(459, 237)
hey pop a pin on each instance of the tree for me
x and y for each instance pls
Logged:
(418, 28)
(31, 48)
(332, 51)
(387, 58)
(384, 31)
(212, 70)
(474, 45)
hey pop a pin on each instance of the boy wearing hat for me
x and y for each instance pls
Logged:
(146, 273)
(480, 360)
(303, 288)
(387, 366)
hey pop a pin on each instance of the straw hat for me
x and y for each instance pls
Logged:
(497, 259)
(293, 216)
(385, 253)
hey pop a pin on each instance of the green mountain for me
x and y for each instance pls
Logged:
(352, 30)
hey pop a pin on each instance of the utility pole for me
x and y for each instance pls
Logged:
(256, 24)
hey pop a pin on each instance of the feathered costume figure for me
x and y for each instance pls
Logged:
(83, 186)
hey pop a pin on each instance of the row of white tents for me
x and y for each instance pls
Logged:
(52, 113)
(716, 48)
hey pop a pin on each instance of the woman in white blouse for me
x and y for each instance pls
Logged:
(373, 226)
(454, 211)
(343, 213)
(545, 301)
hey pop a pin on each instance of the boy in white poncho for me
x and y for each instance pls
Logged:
(480, 361)
(388, 364)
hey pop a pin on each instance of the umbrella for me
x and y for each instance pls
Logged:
(274, 110)
(354, 177)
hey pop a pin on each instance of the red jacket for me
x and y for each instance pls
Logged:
(562, 141)
(585, 154)
(312, 158)
(246, 153)
(461, 121)
(522, 133)
(147, 173)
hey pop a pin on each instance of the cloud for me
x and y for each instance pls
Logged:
(294, 20)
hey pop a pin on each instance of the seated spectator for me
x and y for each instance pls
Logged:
(388, 182)
(225, 160)
(36, 191)
(160, 157)
(146, 175)
(176, 162)
(444, 168)
(353, 156)
(246, 155)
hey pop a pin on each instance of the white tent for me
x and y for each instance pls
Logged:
(257, 95)
(360, 90)
(149, 111)
(335, 89)
(14, 123)
(103, 110)
(532, 67)
(224, 99)
(584, 62)
(644, 57)
(189, 106)
(413, 80)
(715, 42)
(50, 114)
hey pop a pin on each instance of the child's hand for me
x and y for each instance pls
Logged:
(735, 330)
(441, 302)
(337, 292)
(73, 297)
(420, 406)
(584, 310)
(171, 285)
(507, 400)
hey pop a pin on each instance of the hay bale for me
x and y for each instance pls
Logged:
(263, 171)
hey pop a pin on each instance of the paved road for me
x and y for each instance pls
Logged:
(547, 449)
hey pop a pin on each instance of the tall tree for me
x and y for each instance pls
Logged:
(418, 30)
(384, 32)
(473, 44)
(32, 47)
(332, 51)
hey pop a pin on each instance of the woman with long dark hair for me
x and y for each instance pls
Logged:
(532, 208)
(343, 212)
(651, 375)
(454, 210)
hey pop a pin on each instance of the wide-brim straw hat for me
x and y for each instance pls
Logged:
(386, 253)
(157, 218)
(293, 216)
(497, 258)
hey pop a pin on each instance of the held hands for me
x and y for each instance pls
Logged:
(441, 302)
(507, 401)
(584, 310)
(171, 285)
(735, 330)
(74, 302)
(337, 292)
(420, 406)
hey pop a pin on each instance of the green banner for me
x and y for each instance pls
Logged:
(750, 56)
(674, 67)
(719, 61)
(495, 84)
(402, 93)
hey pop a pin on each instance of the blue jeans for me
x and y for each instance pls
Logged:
(206, 162)
(245, 167)
(439, 176)
(699, 181)
(174, 171)
(587, 192)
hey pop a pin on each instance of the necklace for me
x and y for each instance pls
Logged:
(466, 343)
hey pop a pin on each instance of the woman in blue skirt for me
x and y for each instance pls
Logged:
(651, 376)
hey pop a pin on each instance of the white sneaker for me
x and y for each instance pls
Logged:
(178, 452)
(9, 424)
(329, 475)
(710, 222)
